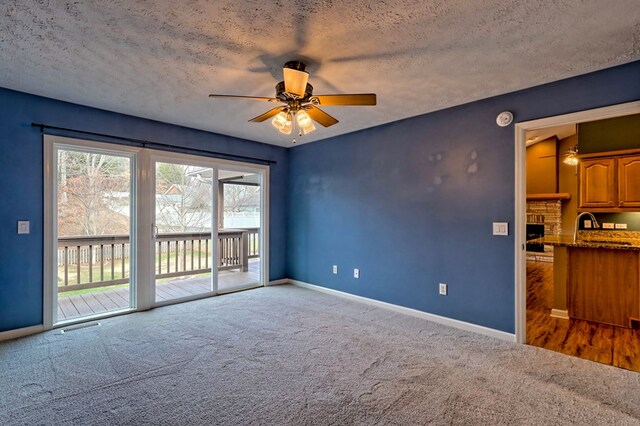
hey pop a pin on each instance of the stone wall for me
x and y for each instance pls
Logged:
(549, 213)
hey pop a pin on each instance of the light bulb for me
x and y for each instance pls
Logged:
(571, 159)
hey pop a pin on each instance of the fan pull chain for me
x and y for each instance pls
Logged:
(296, 128)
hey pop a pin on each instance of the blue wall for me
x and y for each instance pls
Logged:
(411, 203)
(21, 174)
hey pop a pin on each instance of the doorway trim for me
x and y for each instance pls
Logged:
(521, 130)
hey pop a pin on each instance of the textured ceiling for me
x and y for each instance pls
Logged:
(159, 58)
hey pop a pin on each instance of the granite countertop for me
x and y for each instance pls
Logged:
(593, 239)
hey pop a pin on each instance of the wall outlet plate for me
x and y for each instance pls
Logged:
(356, 273)
(335, 269)
(608, 226)
(442, 289)
(500, 228)
(587, 224)
(621, 226)
(23, 227)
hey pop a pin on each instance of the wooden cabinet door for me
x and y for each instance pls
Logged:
(629, 182)
(597, 183)
(602, 285)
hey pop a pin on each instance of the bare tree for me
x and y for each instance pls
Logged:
(93, 193)
(183, 202)
(238, 198)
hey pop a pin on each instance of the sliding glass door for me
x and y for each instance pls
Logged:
(131, 228)
(183, 232)
(239, 229)
(94, 195)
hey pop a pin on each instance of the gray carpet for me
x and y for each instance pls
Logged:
(285, 355)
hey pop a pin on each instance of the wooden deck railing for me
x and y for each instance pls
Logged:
(100, 261)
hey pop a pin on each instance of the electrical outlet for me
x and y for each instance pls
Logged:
(443, 289)
(23, 227)
(587, 224)
(621, 226)
(608, 226)
(500, 228)
(335, 269)
(356, 273)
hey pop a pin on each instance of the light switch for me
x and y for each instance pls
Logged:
(23, 227)
(500, 228)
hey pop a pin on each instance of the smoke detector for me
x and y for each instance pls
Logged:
(504, 118)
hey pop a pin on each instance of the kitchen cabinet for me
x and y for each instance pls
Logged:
(629, 182)
(602, 285)
(597, 183)
(610, 184)
(596, 279)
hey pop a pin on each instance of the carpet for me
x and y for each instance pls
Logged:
(291, 356)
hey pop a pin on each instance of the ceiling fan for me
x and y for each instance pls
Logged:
(301, 106)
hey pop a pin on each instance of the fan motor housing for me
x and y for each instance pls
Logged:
(295, 65)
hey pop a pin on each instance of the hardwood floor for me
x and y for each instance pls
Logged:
(111, 299)
(602, 343)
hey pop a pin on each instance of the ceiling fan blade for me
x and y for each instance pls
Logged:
(248, 98)
(268, 114)
(320, 116)
(344, 100)
(295, 81)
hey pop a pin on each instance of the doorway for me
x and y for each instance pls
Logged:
(130, 228)
(537, 300)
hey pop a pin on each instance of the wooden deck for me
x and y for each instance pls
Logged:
(113, 299)
(602, 343)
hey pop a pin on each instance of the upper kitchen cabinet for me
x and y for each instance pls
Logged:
(597, 183)
(610, 184)
(629, 182)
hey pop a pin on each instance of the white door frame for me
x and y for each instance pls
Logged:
(51, 145)
(521, 130)
(188, 160)
(143, 186)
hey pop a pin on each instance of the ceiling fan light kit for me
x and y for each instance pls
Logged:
(300, 107)
(285, 122)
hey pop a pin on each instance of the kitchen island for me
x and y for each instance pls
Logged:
(596, 278)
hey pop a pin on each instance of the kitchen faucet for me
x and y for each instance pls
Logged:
(593, 218)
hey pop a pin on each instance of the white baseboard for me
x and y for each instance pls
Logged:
(462, 325)
(20, 332)
(278, 282)
(560, 313)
